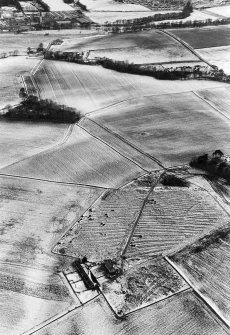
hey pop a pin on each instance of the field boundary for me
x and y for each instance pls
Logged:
(187, 46)
(110, 146)
(130, 144)
(199, 294)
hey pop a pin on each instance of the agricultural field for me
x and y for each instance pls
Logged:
(218, 56)
(105, 17)
(111, 6)
(19, 140)
(205, 37)
(11, 69)
(223, 11)
(172, 217)
(119, 145)
(102, 232)
(143, 47)
(58, 5)
(218, 98)
(89, 88)
(167, 127)
(206, 264)
(141, 284)
(82, 159)
(32, 218)
(10, 42)
(183, 314)
(137, 56)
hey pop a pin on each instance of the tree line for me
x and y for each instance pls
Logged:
(33, 109)
(214, 164)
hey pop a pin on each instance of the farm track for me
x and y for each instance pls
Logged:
(140, 214)
(200, 295)
(98, 138)
(53, 181)
(211, 104)
(187, 46)
(130, 144)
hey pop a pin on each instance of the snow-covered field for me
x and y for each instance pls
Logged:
(222, 10)
(58, 5)
(219, 56)
(102, 17)
(110, 6)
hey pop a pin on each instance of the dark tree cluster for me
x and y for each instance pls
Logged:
(174, 181)
(214, 164)
(11, 3)
(33, 109)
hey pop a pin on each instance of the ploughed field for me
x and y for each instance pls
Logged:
(205, 37)
(172, 128)
(171, 218)
(81, 159)
(206, 264)
(33, 215)
(102, 232)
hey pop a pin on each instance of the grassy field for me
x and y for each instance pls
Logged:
(90, 88)
(168, 127)
(173, 217)
(11, 69)
(206, 37)
(141, 284)
(33, 215)
(82, 159)
(206, 264)
(183, 314)
(22, 139)
(218, 56)
(102, 231)
(219, 98)
(142, 47)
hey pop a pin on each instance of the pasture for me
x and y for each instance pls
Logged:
(89, 88)
(183, 314)
(172, 217)
(33, 215)
(167, 127)
(82, 159)
(206, 264)
(205, 37)
(22, 139)
(102, 232)
(223, 11)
